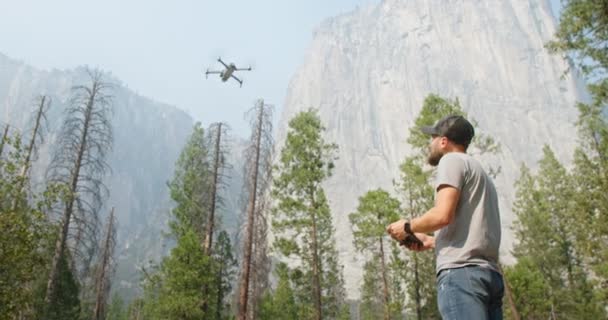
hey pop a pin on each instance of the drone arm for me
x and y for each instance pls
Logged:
(243, 69)
(222, 62)
(239, 80)
(208, 72)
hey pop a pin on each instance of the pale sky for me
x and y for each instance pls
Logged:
(161, 49)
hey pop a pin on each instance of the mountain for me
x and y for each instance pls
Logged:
(368, 72)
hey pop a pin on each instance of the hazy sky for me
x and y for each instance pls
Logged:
(160, 49)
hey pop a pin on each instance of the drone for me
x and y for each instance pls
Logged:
(227, 73)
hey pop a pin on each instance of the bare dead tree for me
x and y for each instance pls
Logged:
(260, 260)
(79, 164)
(38, 129)
(257, 173)
(218, 149)
(37, 138)
(105, 269)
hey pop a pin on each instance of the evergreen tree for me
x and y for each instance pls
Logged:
(180, 279)
(545, 209)
(280, 304)
(224, 265)
(193, 281)
(117, 310)
(529, 289)
(189, 186)
(24, 234)
(302, 219)
(418, 273)
(581, 37)
(376, 210)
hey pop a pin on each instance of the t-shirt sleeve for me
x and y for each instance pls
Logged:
(450, 171)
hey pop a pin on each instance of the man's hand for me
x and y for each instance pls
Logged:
(397, 230)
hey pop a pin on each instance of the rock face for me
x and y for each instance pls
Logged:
(368, 72)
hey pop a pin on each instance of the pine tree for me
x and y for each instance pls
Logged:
(280, 304)
(302, 219)
(581, 37)
(529, 289)
(224, 272)
(189, 186)
(117, 310)
(415, 187)
(376, 210)
(545, 209)
(193, 281)
(177, 293)
(24, 234)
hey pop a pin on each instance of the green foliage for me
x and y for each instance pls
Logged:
(190, 284)
(224, 272)
(581, 35)
(67, 303)
(117, 310)
(376, 210)
(302, 219)
(178, 292)
(189, 185)
(418, 272)
(529, 288)
(280, 304)
(547, 245)
(25, 235)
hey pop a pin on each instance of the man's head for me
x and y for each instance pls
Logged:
(452, 133)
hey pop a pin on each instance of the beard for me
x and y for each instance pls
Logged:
(434, 157)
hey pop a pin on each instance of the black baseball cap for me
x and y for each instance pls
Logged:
(454, 127)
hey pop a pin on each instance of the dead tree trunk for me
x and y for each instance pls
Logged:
(316, 262)
(385, 292)
(217, 166)
(417, 284)
(244, 285)
(31, 146)
(510, 299)
(214, 191)
(35, 133)
(102, 285)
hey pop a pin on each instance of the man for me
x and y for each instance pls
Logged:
(466, 222)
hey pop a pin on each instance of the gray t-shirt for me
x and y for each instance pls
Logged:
(473, 237)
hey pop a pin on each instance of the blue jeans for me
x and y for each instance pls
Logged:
(470, 293)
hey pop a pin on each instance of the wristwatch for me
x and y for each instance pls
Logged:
(407, 228)
(410, 238)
